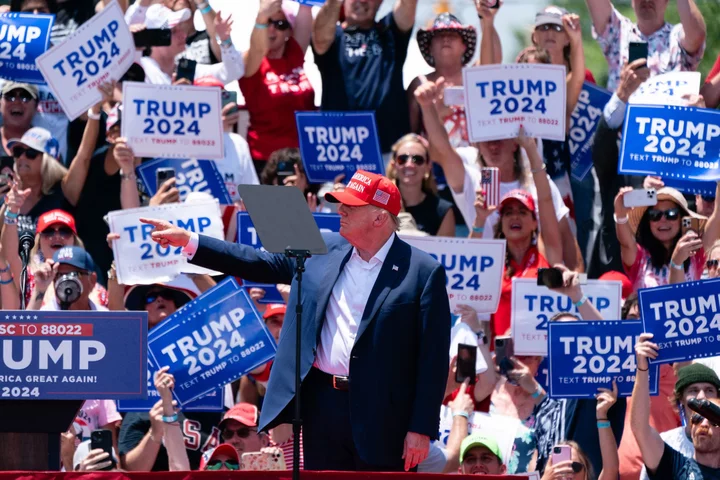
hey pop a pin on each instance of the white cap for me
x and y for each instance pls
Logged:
(159, 16)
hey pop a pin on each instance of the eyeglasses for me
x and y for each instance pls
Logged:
(62, 231)
(710, 264)
(152, 296)
(549, 26)
(217, 465)
(577, 467)
(697, 419)
(279, 24)
(11, 97)
(241, 433)
(30, 153)
(656, 215)
(416, 159)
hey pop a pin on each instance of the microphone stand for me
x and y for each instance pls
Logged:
(24, 257)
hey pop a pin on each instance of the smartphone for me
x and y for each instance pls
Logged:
(7, 170)
(285, 169)
(186, 69)
(490, 183)
(637, 50)
(162, 175)
(102, 439)
(453, 96)
(690, 223)
(640, 197)
(466, 361)
(263, 461)
(153, 37)
(504, 350)
(562, 453)
(229, 97)
(550, 277)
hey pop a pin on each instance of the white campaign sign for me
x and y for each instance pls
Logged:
(500, 98)
(667, 89)
(172, 121)
(101, 50)
(142, 261)
(474, 268)
(534, 305)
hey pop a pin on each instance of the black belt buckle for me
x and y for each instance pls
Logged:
(340, 382)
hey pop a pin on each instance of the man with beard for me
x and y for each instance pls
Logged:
(661, 460)
(670, 47)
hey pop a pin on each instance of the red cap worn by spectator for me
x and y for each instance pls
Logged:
(627, 287)
(245, 413)
(222, 449)
(521, 196)
(56, 216)
(367, 188)
(274, 309)
(208, 81)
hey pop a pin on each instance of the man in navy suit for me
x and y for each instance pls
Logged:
(375, 335)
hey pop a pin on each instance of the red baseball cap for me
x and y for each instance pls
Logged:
(274, 309)
(627, 287)
(222, 449)
(245, 413)
(55, 216)
(521, 196)
(367, 188)
(208, 81)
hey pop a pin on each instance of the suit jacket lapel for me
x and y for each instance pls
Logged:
(393, 266)
(335, 262)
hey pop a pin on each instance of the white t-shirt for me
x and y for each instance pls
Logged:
(679, 441)
(435, 461)
(465, 200)
(230, 69)
(236, 168)
(710, 362)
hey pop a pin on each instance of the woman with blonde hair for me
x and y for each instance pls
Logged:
(411, 169)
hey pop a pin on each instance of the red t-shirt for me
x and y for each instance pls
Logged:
(527, 269)
(714, 71)
(589, 77)
(277, 90)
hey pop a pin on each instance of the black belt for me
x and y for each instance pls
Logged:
(338, 382)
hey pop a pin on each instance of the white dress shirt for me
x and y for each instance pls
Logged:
(345, 309)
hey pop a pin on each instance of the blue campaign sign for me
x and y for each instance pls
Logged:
(684, 319)
(326, 222)
(211, 341)
(583, 122)
(696, 188)
(334, 143)
(585, 356)
(671, 142)
(212, 402)
(312, 3)
(73, 355)
(23, 38)
(190, 176)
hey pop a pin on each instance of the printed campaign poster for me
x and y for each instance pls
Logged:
(585, 356)
(500, 98)
(247, 235)
(101, 50)
(72, 355)
(671, 142)
(176, 121)
(191, 175)
(533, 305)
(667, 89)
(142, 261)
(334, 143)
(707, 189)
(23, 38)
(211, 341)
(684, 319)
(473, 268)
(583, 123)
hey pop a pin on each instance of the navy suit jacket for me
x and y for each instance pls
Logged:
(399, 363)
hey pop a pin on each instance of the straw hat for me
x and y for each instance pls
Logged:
(665, 193)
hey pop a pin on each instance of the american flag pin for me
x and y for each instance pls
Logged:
(395, 268)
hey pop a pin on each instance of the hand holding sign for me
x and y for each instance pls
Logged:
(606, 399)
(644, 350)
(124, 155)
(167, 234)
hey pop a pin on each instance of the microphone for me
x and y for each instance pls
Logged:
(26, 242)
(67, 290)
(706, 408)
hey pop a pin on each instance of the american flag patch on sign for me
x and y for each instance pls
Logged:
(490, 183)
(381, 197)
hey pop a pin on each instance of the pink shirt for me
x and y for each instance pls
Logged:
(95, 414)
(642, 274)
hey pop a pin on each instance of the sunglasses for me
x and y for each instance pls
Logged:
(416, 159)
(279, 24)
(152, 296)
(697, 419)
(712, 264)
(217, 465)
(30, 153)
(242, 433)
(655, 215)
(11, 97)
(577, 467)
(549, 26)
(62, 231)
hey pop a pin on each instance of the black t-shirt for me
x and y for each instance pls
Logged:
(199, 429)
(198, 49)
(429, 213)
(362, 70)
(674, 465)
(55, 199)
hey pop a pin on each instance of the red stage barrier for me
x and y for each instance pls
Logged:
(285, 475)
